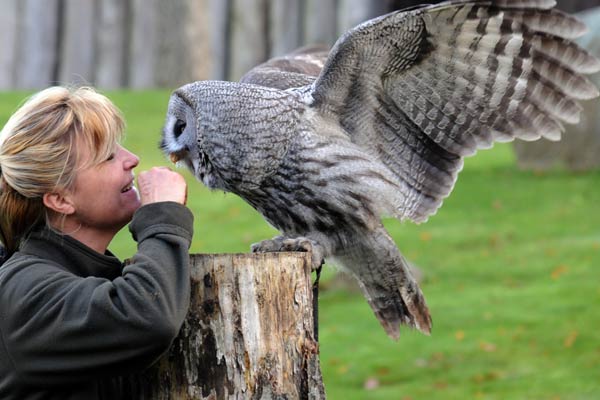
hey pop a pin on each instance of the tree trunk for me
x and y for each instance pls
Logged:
(198, 33)
(112, 44)
(354, 12)
(36, 57)
(249, 333)
(284, 26)
(8, 43)
(219, 38)
(77, 55)
(248, 46)
(143, 43)
(320, 22)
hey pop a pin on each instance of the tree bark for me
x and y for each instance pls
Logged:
(249, 333)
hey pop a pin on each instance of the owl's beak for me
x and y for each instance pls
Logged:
(178, 155)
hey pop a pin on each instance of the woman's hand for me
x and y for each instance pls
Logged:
(161, 184)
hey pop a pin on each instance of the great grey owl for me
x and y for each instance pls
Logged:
(383, 129)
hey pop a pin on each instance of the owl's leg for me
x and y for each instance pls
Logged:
(303, 244)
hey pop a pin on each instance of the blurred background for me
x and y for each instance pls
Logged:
(509, 264)
(154, 43)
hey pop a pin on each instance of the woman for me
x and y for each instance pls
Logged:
(73, 318)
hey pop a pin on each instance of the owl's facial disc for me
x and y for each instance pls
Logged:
(183, 143)
(174, 142)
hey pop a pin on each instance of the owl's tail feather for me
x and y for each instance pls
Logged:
(394, 305)
(387, 283)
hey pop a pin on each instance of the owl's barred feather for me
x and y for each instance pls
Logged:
(325, 144)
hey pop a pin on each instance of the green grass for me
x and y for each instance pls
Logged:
(511, 278)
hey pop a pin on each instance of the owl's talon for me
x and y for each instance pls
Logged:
(302, 244)
(267, 246)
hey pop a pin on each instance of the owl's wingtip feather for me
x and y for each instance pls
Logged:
(422, 324)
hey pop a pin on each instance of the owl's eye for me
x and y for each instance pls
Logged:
(178, 128)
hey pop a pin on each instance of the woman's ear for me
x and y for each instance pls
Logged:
(59, 203)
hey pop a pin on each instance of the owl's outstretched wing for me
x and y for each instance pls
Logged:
(424, 88)
(299, 68)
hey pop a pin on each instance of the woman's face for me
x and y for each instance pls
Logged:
(104, 196)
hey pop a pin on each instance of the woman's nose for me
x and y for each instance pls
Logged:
(131, 160)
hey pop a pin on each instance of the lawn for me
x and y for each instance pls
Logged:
(510, 266)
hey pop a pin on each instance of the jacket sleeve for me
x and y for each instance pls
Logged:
(70, 329)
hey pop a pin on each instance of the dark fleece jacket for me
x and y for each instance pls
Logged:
(72, 321)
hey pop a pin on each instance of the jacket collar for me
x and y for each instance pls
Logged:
(71, 255)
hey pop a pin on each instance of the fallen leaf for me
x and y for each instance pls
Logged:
(333, 361)
(233, 212)
(494, 241)
(421, 362)
(511, 283)
(487, 346)
(371, 384)
(459, 335)
(343, 369)
(487, 376)
(425, 236)
(440, 385)
(550, 252)
(570, 339)
(559, 271)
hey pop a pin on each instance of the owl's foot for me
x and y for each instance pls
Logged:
(303, 244)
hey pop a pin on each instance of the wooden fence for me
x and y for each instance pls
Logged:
(159, 43)
(165, 43)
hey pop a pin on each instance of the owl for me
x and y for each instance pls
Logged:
(325, 144)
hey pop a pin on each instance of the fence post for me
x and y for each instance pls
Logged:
(8, 43)
(37, 39)
(249, 333)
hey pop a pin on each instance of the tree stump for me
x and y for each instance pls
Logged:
(249, 334)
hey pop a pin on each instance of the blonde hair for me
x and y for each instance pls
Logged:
(41, 149)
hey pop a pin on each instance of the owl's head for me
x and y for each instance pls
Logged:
(230, 135)
(184, 136)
